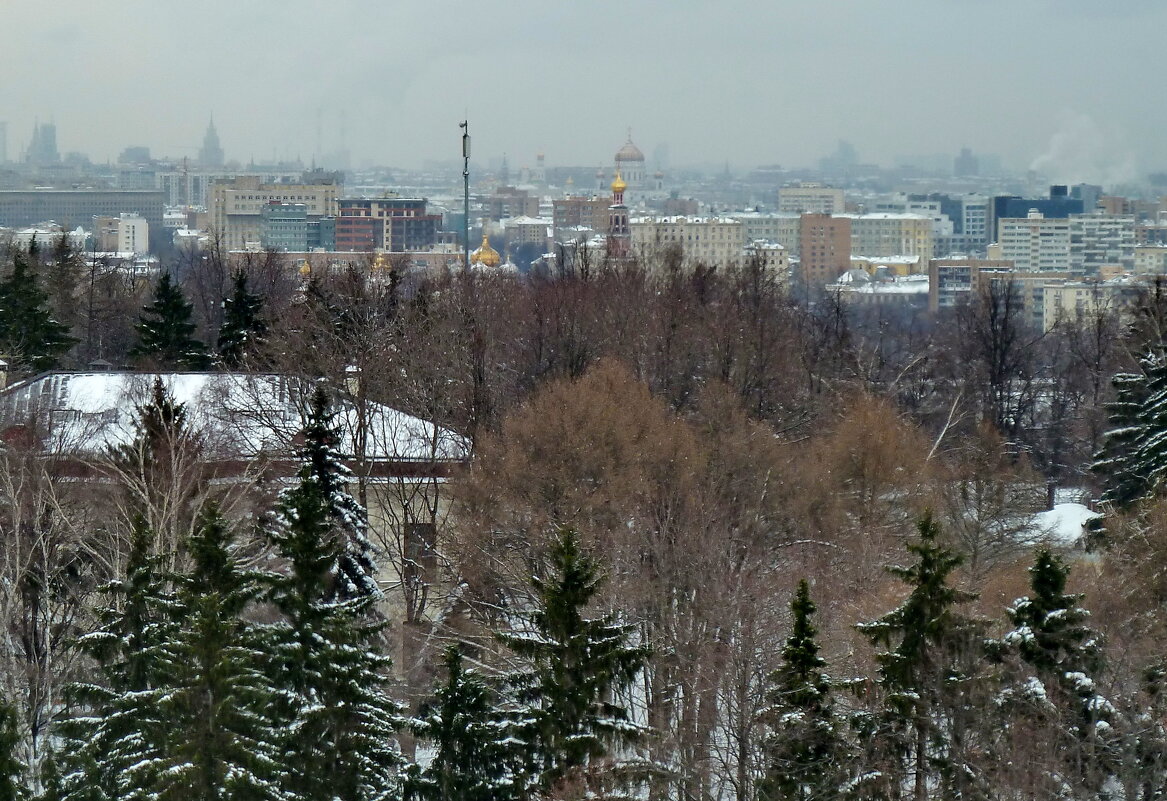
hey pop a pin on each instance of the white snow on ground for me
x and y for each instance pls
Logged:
(1064, 524)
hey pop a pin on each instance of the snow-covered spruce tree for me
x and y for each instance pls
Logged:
(804, 748)
(1051, 658)
(220, 741)
(243, 326)
(340, 724)
(473, 757)
(111, 723)
(577, 667)
(166, 333)
(1132, 462)
(353, 575)
(13, 786)
(924, 733)
(30, 338)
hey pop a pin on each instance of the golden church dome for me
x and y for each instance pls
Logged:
(485, 254)
(618, 184)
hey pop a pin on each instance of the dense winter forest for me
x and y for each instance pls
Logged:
(713, 542)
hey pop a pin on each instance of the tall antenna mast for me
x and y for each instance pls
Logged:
(465, 126)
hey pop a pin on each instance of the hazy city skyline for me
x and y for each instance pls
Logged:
(1056, 86)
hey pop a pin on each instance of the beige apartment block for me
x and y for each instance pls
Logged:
(1035, 243)
(236, 205)
(709, 240)
(1151, 260)
(773, 257)
(811, 198)
(891, 234)
(1075, 300)
(781, 227)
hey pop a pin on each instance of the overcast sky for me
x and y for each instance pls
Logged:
(1072, 86)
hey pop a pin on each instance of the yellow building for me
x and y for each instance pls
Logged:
(891, 234)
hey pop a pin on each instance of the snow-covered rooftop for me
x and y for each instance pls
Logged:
(239, 416)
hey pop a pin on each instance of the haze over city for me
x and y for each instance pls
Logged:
(1048, 85)
(547, 401)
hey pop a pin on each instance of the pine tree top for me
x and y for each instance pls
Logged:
(928, 621)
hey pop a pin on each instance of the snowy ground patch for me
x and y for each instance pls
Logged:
(1064, 525)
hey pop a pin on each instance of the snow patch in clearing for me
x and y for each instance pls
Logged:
(1065, 523)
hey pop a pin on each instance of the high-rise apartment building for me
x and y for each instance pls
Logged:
(1101, 240)
(824, 249)
(1035, 243)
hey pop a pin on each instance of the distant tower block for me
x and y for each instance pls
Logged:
(540, 174)
(211, 153)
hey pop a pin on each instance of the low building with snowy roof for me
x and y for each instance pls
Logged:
(241, 419)
(247, 428)
(857, 286)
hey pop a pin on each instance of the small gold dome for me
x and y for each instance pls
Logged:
(380, 262)
(305, 268)
(485, 254)
(618, 184)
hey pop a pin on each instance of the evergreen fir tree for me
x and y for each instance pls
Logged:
(30, 337)
(157, 469)
(114, 722)
(353, 573)
(928, 675)
(340, 723)
(12, 771)
(472, 755)
(62, 275)
(243, 327)
(1052, 657)
(578, 665)
(160, 429)
(166, 333)
(804, 748)
(1132, 462)
(221, 742)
